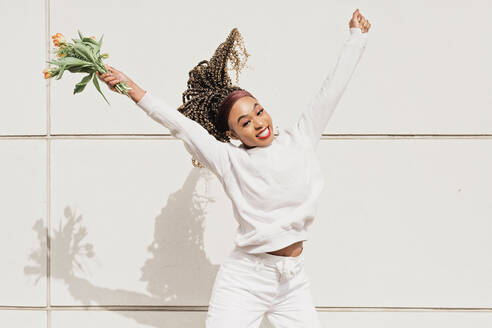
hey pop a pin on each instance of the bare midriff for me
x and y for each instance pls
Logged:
(292, 250)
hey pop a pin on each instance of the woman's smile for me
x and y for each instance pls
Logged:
(265, 133)
(249, 122)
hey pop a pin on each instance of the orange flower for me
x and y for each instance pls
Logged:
(93, 38)
(58, 39)
(47, 73)
(50, 72)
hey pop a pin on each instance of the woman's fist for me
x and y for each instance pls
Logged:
(113, 77)
(359, 21)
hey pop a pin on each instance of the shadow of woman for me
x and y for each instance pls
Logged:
(178, 270)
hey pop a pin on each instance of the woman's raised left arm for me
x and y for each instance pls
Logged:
(314, 118)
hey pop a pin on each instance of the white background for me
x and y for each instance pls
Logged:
(402, 235)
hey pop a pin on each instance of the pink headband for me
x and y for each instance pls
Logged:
(226, 106)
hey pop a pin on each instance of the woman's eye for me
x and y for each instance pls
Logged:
(246, 123)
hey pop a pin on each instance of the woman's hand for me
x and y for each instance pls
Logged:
(359, 21)
(114, 76)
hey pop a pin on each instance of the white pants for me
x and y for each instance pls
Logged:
(249, 286)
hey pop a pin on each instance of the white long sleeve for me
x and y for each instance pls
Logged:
(275, 189)
(198, 142)
(314, 118)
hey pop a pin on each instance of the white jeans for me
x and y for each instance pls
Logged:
(249, 286)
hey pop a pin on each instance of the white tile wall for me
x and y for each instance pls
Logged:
(127, 319)
(405, 319)
(403, 222)
(438, 82)
(143, 209)
(23, 222)
(176, 319)
(24, 319)
(23, 56)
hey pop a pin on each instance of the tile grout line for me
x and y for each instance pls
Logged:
(204, 308)
(130, 136)
(48, 169)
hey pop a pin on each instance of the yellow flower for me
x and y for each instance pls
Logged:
(58, 39)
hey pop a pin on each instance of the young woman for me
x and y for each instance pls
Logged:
(274, 182)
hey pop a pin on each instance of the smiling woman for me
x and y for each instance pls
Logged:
(274, 182)
(248, 121)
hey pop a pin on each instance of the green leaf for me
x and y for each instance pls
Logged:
(101, 40)
(93, 45)
(53, 62)
(72, 61)
(83, 51)
(80, 35)
(90, 40)
(79, 69)
(79, 87)
(96, 84)
(60, 73)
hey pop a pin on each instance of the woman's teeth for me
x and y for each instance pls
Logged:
(264, 133)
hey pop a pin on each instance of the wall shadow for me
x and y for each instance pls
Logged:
(176, 271)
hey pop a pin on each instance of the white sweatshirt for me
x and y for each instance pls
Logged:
(274, 189)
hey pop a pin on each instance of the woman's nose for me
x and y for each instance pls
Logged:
(260, 125)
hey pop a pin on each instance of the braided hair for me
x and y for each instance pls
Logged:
(209, 85)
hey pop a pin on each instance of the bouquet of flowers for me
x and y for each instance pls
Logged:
(81, 56)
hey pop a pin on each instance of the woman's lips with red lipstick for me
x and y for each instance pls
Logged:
(264, 137)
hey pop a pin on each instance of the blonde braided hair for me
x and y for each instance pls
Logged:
(209, 83)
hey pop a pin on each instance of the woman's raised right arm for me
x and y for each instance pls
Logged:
(198, 142)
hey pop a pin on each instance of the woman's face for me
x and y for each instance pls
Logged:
(250, 123)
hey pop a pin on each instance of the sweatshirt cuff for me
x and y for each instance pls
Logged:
(144, 100)
(355, 30)
(356, 36)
